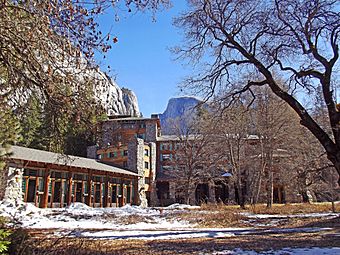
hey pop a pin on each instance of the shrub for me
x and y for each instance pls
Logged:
(4, 237)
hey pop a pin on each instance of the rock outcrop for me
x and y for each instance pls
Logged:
(179, 112)
(115, 100)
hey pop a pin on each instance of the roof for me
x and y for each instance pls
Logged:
(166, 138)
(28, 154)
(131, 119)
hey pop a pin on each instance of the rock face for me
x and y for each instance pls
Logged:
(179, 111)
(116, 101)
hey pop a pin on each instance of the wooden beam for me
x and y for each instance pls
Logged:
(106, 199)
(26, 188)
(70, 182)
(89, 187)
(36, 191)
(52, 193)
(61, 201)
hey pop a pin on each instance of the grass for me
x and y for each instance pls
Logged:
(294, 208)
(219, 215)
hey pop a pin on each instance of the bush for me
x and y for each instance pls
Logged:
(4, 237)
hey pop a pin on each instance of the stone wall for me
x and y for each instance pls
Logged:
(106, 134)
(91, 151)
(136, 164)
(151, 132)
(153, 157)
(13, 189)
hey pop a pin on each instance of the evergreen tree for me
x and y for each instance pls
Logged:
(10, 132)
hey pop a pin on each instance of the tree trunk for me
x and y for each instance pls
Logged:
(240, 195)
(335, 159)
(270, 189)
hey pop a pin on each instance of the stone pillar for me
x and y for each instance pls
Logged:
(136, 164)
(172, 191)
(151, 131)
(153, 157)
(231, 189)
(91, 151)
(212, 197)
(13, 190)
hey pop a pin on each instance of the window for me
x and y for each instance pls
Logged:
(142, 125)
(146, 165)
(146, 152)
(99, 156)
(125, 164)
(147, 180)
(165, 157)
(141, 136)
(125, 153)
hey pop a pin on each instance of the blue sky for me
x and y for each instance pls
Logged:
(141, 60)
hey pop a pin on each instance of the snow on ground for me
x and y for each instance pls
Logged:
(272, 220)
(192, 233)
(277, 216)
(81, 216)
(284, 251)
(133, 222)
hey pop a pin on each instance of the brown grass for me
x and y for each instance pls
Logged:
(219, 215)
(294, 208)
(297, 208)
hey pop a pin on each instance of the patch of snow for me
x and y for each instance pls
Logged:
(81, 216)
(153, 235)
(181, 207)
(276, 216)
(177, 233)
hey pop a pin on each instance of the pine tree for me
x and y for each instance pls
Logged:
(10, 132)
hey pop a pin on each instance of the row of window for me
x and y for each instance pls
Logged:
(168, 146)
(113, 154)
(76, 176)
(133, 125)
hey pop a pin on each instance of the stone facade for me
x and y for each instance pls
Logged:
(106, 134)
(136, 164)
(13, 191)
(91, 151)
(151, 132)
(153, 192)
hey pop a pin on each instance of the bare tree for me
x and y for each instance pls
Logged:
(276, 127)
(297, 40)
(231, 129)
(196, 159)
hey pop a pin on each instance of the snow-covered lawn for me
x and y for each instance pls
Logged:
(122, 222)
(81, 216)
(149, 224)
